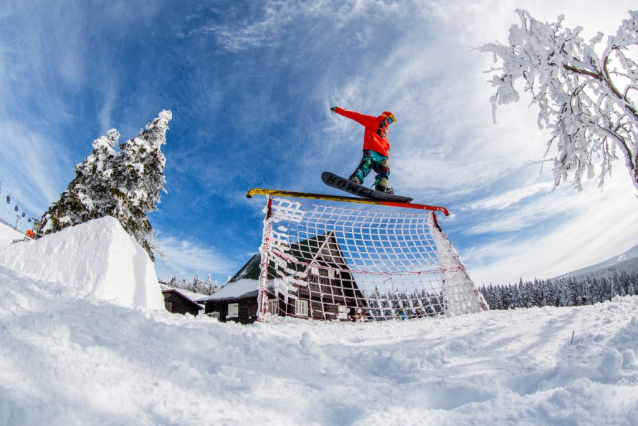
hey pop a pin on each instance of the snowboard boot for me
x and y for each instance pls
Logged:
(381, 185)
(384, 189)
(356, 180)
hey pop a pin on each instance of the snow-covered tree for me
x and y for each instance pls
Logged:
(140, 178)
(89, 194)
(125, 185)
(210, 286)
(173, 282)
(587, 94)
(198, 284)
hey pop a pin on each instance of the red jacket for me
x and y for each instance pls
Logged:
(375, 137)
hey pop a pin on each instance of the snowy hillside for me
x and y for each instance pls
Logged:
(630, 254)
(72, 360)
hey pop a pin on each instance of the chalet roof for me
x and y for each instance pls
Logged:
(186, 298)
(245, 283)
(235, 290)
(251, 270)
(304, 251)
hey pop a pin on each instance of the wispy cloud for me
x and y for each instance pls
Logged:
(186, 257)
(598, 225)
(508, 198)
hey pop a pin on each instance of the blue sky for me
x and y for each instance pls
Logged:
(250, 85)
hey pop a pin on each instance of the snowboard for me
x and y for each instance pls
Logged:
(350, 187)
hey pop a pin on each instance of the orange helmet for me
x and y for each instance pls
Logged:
(388, 115)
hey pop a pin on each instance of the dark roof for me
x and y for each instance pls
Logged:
(305, 252)
(251, 270)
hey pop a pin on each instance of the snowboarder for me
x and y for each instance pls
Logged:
(376, 148)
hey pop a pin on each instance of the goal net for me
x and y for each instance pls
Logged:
(341, 263)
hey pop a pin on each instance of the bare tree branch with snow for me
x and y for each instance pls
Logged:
(587, 99)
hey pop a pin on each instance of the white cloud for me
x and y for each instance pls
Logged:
(186, 257)
(508, 198)
(32, 164)
(597, 226)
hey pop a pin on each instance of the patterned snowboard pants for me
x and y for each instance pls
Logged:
(372, 160)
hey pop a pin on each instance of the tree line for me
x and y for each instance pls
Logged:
(198, 286)
(575, 290)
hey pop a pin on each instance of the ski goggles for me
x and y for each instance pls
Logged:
(390, 118)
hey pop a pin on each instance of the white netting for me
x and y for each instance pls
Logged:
(328, 262)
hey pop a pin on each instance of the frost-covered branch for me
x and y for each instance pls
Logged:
(583, 96)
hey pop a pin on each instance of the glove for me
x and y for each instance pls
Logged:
(334, 109)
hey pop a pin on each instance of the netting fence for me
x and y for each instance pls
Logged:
(329, 262)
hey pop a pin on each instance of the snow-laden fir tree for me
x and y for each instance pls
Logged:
(125, 185)
(587, 95)
(213, 286)
(89, 194)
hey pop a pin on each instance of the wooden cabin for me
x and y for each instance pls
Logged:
(177, 303)
(327, 290)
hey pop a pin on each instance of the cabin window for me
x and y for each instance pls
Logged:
(233, 310)
(314, 270)
(331, 274)
(301, 307)
(272, 307)
(342, 312)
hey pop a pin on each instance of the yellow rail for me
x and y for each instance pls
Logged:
(291, 194)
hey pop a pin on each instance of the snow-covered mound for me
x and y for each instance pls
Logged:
(67, 361)
(98, 260)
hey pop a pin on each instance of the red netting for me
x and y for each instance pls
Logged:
(326, 262)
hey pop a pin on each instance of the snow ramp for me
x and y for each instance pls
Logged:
(98, 260)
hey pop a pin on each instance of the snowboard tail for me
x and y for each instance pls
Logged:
(353, 188)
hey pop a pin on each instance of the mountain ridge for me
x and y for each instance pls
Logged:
(632, 253)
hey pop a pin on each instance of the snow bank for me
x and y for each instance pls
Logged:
(65, 360)
(97, 259)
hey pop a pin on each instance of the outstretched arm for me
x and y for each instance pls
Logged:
(364, 120)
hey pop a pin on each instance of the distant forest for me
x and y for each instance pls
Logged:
(620, 279)
(207, 287)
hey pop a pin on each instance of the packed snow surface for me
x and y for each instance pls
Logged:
(73, 360)
(98, 260)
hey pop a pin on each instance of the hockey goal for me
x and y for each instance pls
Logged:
(342, 263)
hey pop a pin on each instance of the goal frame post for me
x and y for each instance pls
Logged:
(307, 195)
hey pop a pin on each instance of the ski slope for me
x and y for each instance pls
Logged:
(69, 359)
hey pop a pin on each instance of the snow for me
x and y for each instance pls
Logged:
(70, 359)
(234, 289)
(97, 259)
(189, 294)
